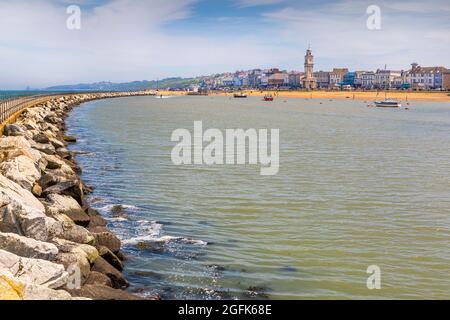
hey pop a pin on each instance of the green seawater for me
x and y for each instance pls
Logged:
(357, 186)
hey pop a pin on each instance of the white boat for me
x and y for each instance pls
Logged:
(388, 103)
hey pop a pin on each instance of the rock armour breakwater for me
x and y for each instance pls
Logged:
(53, 245)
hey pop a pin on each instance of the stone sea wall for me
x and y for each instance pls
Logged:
(53, 246)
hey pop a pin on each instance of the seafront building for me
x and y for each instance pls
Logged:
(426, 77)
(416, 78)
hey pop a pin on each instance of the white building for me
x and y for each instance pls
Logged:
(425, 77)
(368, 80)
(384, 79)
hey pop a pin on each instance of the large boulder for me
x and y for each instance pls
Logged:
(21, 170)
(46, 148)
(71, 188)
(96, 220)
(27, 247)
(101, 292)
(99, 279)
(10, 289)
(117, 278)
(13, 130)
(106, 238)
(41, 138)
(12, 147)
(13, 289)
(21, 212)
(110, 257)
(56, 205)
(74, 254)
(35, 271)
(35, 292)
(68, 230)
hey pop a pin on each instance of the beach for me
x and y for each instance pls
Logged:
(368, 96)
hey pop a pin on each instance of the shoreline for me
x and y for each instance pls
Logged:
(368, 96)
(53, 245)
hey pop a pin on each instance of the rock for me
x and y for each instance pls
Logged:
(35, 271)
(41, 138)
(88, 251)
(53, 119)
(12, 147)
(36, 190)
(96, 220)
(35, 292)
(58, 204)
(110, 257)
(98, 279)
(10, 289)
(13, 130)
(72, 188)
(69, 231)
(70, 139)
(118, 211)
(53, 165)
(30, 124)
(48, 180)
(74, 254)
(64, 153)
(117, 278)
(121, 256)
(104, 237)
(21, 212)
(56, 143)
(97, 292)
(45, 148)
(21, 170)
(27, 247)
(14, 142)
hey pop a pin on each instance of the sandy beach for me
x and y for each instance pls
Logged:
(368, 96)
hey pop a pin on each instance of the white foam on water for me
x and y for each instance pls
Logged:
(109, 207)
(151, 232)
(117, 219)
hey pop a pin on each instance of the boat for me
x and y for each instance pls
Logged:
(240, 95)
(388, 103)
(268, 97)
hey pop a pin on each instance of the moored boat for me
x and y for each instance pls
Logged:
(388, 103)
(268, 97)
(240, 95)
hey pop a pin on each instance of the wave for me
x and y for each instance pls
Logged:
(111, 207)
(163, 239)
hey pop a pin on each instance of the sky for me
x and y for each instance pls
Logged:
(127, 40)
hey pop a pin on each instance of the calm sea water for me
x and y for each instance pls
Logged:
(357, 186)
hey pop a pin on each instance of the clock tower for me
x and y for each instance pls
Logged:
(309, 82)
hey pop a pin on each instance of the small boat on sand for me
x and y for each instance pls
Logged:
(240, 95)
(388, 103)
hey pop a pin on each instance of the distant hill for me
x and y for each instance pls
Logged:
(175, 83)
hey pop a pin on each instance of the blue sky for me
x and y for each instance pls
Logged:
(125, 40)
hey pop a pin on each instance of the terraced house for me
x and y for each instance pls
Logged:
(425, 78)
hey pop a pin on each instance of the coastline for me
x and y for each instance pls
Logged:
(53, 245)
(368, 96)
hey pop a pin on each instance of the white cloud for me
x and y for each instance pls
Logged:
(255, 3)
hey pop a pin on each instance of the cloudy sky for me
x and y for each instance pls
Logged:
(125, 40)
